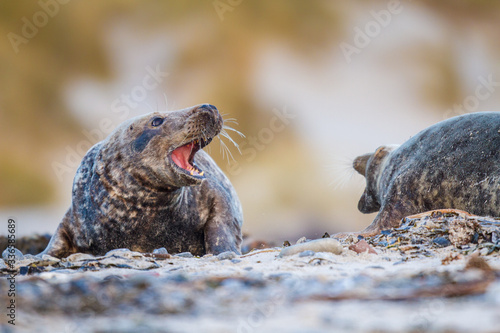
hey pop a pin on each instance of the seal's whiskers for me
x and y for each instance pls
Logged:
(342, 172)
(224, 149)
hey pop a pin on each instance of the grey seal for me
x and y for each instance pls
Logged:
(454, 164)
(149, 185)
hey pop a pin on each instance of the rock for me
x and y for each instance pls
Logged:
(361, 247)
(184, 255)
(127, 263)
(79, 257)
(125, 253)
(11, 253)
(318, 245)
(49, 260)
(301, 240)
(462, 231)
(226, 255)
(161, 250)
(441, 242)
(307, 253)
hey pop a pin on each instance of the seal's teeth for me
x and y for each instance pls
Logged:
(192, 172)
(201, 173)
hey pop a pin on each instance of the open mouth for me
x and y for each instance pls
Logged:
(183, 157)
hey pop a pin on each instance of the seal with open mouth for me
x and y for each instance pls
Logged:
(149, 185)
(454, 164)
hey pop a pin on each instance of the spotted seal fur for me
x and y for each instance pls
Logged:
(149, 185)
(454, 164)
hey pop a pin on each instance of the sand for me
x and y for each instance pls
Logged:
(390, 291)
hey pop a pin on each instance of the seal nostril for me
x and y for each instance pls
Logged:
(208, 107)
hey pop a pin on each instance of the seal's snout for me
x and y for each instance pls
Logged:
(208, 107)
(203, 123)
(360, 162)
(208, 111)
(209, 115)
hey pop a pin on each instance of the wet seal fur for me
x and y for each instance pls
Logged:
(454, 164)
(149, 185)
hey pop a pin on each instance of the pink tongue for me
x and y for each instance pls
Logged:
(180, 156)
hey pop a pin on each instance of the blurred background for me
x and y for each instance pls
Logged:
(313, 84)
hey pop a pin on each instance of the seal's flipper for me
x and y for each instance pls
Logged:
(223, 236)
(368, 203)
(61, 244)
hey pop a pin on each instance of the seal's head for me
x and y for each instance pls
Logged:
(158, 149)
(371, 167)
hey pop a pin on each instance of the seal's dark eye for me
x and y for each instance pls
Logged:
(156, 121)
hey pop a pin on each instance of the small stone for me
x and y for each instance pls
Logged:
(383, 243)
(226, 255)
(441, 242)
(45, 260)
(462, 231)
(318, 245)
(307, 253)
(124, 253)
(117, 252)
(184, 255)
(495, 237)
(235, 261)
(11, 253)
(361, 247)
(301, 240)
(393, 241)
(475, 238)
(161, 250)
(49, 258)
(280, 276)
(79, 257)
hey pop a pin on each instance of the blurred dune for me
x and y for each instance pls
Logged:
(255, 61)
